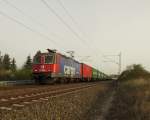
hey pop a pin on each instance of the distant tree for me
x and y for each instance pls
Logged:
(1, 61)
(6, 62)
(13, 65)
(28, 63)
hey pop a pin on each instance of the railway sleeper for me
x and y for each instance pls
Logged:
(6, 108)
(18, 105)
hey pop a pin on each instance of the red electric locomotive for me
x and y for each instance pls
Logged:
(53, 66)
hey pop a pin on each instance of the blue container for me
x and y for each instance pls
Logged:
(69, 67)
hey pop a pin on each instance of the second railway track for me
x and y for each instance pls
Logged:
(17, 101)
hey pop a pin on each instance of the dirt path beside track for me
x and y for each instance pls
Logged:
(99, 109)
(104, 108)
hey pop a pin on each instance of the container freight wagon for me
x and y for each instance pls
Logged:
(69, 68)
(94, 74)
(97, 75)
(52, 66)
(102, 76)
(86, 72)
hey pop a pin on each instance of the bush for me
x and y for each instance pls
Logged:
(22, 74)
(5, 75)
(134, 72)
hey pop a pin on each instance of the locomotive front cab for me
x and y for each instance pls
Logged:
(43, 66)
(43, 62)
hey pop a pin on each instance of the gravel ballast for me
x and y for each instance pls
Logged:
(75, 106)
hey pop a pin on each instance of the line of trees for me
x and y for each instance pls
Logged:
(9, 70)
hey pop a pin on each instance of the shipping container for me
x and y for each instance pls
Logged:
(86, 71)
(68, 67)
(94, 73)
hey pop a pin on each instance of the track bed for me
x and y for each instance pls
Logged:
(72, 103)
(20, 96)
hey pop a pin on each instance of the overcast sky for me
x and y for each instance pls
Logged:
(99, 27)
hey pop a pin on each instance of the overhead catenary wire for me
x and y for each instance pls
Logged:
(74, 21)
(77, 25)
(27, 27)
(68, 26)
(22, 12)
(67, 12)
(70, 16)
(30, 17)
(63, 21)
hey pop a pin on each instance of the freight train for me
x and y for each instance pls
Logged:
(53, 67)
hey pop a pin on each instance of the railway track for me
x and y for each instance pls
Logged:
(22, 99)
(6, 92)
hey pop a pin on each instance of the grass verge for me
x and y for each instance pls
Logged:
(132, 101)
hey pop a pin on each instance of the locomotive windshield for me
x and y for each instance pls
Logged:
(49, 59)
(37, 59)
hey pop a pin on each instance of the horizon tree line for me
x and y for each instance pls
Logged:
(10, 71)
(7, 63)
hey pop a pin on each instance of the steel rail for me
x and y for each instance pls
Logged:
(21, 101)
